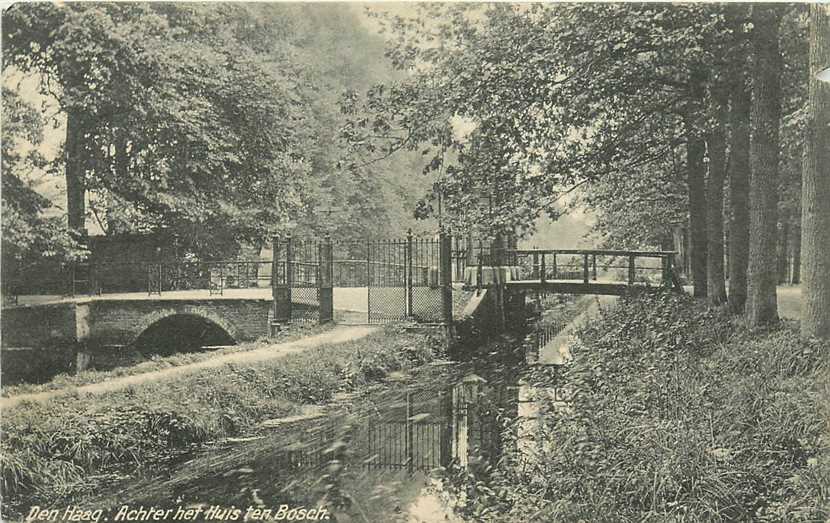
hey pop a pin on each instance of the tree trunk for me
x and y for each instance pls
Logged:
(761, 303)
(815, 190)
(738, 192)
(75, 180)
(716, 145)
(783, 249)
(795, 275)
(696, 181)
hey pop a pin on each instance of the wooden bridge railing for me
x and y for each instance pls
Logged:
(575, 264)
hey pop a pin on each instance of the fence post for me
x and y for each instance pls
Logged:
(543, 270)
(595, 267)
(631, 271)
(445, 275)
(555, 270)
(409, 282)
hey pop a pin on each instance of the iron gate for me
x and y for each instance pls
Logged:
(384, 281)
(374, 281)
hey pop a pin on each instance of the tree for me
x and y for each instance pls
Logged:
(30, 235)
(567, 94)
(815, 223)
(170, 108)
(761, 305)
(739, 168)
(716, 151)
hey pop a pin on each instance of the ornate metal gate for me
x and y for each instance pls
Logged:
(374, 281)
(383, 281)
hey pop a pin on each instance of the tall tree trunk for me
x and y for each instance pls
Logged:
(761, 303)
(815, 202)
(738, 192)
(795, 275)
(783, 248)
(716, 146)
(75, 181)
(696, 182)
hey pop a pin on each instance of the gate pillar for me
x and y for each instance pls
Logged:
(280, 289)
(325, 279)
(445, 275)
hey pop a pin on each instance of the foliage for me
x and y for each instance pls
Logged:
(675, 413)
(214, 121)
(27, 231)
(558, 100)
(592, 96)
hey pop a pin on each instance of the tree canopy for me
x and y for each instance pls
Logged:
(217, 122)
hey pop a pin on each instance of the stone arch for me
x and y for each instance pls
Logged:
(170, 315)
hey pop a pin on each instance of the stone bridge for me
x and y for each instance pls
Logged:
(117, 322)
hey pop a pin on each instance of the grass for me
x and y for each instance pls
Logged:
(151, 363)
(51, 450)
(676, 412)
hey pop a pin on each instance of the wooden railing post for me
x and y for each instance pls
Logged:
(631, 271)
(555, 271)
(543, 275)
(535, 273)
(594, 267)
(585, 268)
(668, 268)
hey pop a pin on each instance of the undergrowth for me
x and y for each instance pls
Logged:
(52, 449)
(674, 412)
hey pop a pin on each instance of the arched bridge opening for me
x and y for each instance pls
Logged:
(181, 333)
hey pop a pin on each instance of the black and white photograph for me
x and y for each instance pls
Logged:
(444, 262)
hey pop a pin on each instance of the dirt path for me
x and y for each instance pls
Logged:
(337, 335)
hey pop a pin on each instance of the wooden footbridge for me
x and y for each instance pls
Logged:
(588, 271)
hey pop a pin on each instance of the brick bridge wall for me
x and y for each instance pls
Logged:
(120, 322)
(38, 326)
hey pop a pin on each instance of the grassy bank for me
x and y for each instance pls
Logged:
(69, 445)
(133, 363)
(677, 412)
